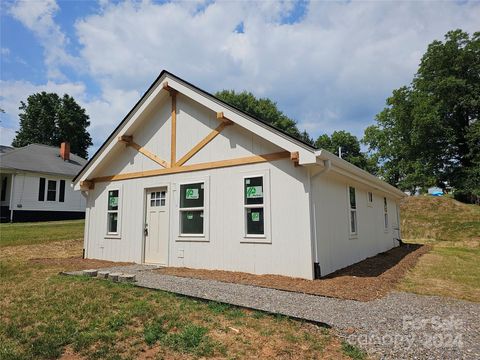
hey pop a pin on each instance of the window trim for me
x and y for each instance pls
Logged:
(369, 202)
(385, 215)
(264, 238)
(206, 211)
(352, 235)
(48, 190)
(118, 234)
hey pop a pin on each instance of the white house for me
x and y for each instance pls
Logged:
(36, 184)
(187, 180)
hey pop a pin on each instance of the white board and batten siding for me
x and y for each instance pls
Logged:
(337, 247)
(286, 249)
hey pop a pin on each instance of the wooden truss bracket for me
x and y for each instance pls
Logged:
(295, 157)
(87, 185)
(203, 142)
(128, 140)
(196, 167)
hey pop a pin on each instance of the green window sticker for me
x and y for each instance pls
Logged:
(255, 216)
(113, 201)
(191, 194)
(254, 192)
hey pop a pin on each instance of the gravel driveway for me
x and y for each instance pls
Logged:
(398, 326)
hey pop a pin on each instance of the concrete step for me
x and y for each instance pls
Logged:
(90, 272)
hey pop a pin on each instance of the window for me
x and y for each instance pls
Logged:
(112, 212)
(61, 195)
(51, 190)
(254, 206)
(352, 210)
(385, 213)
(41, 189)
(192, 209)
(370, 198)
(4, 189)
(157, 198)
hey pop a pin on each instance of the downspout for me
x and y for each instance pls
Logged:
(316, 264)
(86, 237)
(12, 192)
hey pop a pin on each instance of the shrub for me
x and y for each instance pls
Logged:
(466, 196)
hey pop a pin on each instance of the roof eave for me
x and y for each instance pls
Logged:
(354, 172)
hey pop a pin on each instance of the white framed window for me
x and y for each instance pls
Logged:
(256, 210)
(113, 212)
(254, 206)
(385, 213)
(352, 211)
(51, 190)
(370, 198)
(192, 209)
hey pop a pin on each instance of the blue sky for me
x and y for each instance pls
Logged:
(328, 65)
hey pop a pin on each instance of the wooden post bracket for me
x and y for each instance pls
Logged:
(128, 140)
(295, 157)
(222, 117)
(202, 143)
(87, 185)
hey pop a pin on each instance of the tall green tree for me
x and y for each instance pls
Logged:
(350, 146)
(426, 134)
(49, 119)
(264, 109)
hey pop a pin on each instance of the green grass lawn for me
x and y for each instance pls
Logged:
(45, 315)
(453, 229)
(40, 232)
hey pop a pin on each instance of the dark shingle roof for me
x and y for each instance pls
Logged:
(42, 159)
(4, 149)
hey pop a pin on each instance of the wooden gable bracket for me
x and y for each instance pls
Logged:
(295, 157)
(203, 142)
(167, 87)
(222, 117)
(173, 139)
(128, 140)
(87, 185)
(255, 159)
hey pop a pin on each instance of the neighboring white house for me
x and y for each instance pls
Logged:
(187, 180)
(36, 184)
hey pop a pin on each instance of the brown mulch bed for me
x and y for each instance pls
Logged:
(367, 280)
(77, 263)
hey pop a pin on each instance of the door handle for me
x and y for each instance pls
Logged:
(145, 230)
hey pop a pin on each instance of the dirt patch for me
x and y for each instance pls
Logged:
(369, 279)
(76, 263)
(69, 354)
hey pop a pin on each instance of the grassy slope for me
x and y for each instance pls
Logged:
(40, 232)
(44, 314)
(453, 228)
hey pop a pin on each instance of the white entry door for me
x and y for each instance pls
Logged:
(156, 226)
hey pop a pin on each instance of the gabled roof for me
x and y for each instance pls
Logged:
(308, 155)
(42, 159)
(221, 104)
(4, 149)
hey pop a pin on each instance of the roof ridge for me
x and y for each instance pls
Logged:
(44, 145)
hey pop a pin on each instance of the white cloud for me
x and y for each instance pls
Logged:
(342, 59)
(331, 70)
(38, 16)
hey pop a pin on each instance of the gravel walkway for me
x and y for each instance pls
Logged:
(398, 326)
